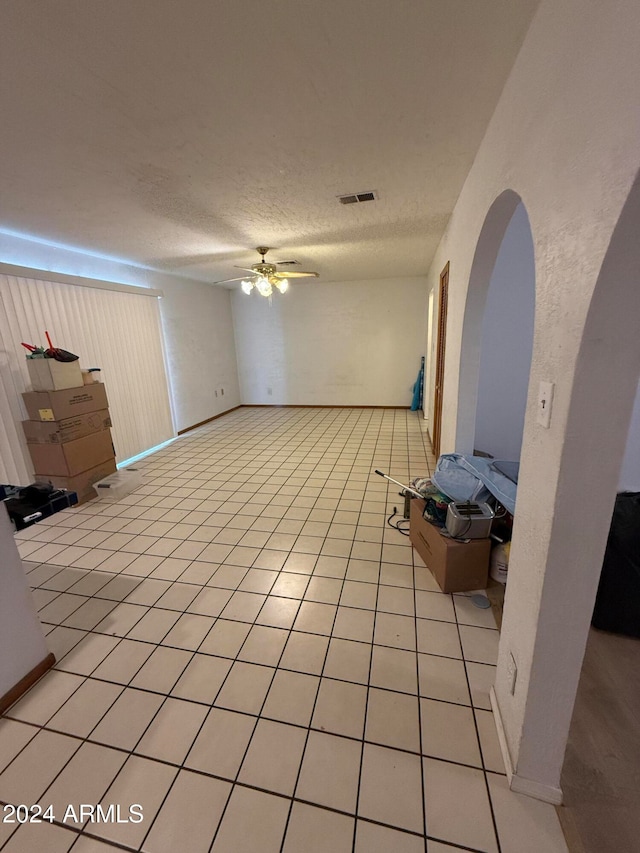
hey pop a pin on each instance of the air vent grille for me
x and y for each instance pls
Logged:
(355, 198)
(288, 263)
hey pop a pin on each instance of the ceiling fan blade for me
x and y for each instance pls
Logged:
(246, 269)
(228, 280)
(296, 274)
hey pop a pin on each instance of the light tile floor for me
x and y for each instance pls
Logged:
(247, 651)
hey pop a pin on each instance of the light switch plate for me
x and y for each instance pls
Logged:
(545, 403)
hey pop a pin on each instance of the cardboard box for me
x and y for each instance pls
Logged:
(57, 432)
(456, 566)
(82, 483)
(47, 374)
(72, 457)
(68, 403)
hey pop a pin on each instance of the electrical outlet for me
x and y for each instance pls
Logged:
(269, 391)
(545, 401)
(512, 673)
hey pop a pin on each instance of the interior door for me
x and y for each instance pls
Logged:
(440, 353)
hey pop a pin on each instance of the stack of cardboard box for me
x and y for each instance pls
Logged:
(68, 432)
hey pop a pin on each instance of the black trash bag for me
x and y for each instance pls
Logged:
(37, 501)
(61, 354)
(38, 494)
(617, 606)
(57, 353)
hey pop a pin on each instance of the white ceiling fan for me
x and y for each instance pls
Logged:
(265, 276)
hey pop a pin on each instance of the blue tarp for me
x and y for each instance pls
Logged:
(417, 389)
(466, 478)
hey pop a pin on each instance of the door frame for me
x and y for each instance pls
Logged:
(443, 295)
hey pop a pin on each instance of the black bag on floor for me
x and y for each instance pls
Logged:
(35, 502)
(618, 600)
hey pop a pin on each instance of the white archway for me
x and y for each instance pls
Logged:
(507, 343)
(484, 261)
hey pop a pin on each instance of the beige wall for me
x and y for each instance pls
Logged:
(332, 344)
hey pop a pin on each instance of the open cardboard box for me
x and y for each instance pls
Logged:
(457, 566)
(47, 374)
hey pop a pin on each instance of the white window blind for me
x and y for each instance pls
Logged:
(117, 331)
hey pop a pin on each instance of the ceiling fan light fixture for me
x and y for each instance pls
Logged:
(266, 277)
(263, 286)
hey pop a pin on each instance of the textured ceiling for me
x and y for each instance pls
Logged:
(180, 135)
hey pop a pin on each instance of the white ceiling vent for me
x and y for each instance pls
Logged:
(288, 263)
(354, 198)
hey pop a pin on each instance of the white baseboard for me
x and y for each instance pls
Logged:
(538, 790)
(519, 784)
(502, 738)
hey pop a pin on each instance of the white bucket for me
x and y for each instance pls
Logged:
(500, 562)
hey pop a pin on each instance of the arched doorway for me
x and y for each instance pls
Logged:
(501, 292)
(507, 343)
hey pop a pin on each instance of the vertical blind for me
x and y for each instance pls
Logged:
(117, 331)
